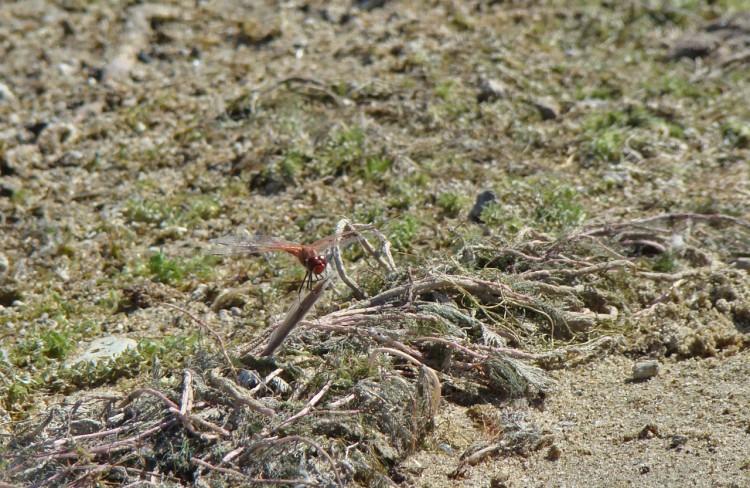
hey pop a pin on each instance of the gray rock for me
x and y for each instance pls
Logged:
(85, 426)
(645, 369)
(370, 4)
(547, 108)
(677, 441)
(200, 293)
(105, 348)
(6, 93)
(483, 199)
(446, 448)
(490, 90)
(692, 46)
(233, 297)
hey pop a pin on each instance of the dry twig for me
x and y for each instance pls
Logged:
(313, 401)
(294, 316)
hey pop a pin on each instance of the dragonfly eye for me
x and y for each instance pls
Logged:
(318, 264)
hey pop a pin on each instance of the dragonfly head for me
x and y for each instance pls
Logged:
(317, 264)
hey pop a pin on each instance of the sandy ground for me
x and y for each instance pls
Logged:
(688, 426)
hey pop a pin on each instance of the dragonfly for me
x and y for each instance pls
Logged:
(309, 256)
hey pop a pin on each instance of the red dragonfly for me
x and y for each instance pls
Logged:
(314, 262)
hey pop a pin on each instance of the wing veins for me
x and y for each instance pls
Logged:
(240, 244)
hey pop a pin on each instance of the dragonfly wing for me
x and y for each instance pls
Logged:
(342, 238)
(252, 245)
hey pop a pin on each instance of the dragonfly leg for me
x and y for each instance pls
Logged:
(307, 278)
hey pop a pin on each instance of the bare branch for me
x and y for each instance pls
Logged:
(140, 391)
(294, 316)
(395, 352)
(313, 401)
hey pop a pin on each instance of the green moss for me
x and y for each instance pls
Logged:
(178, 210)
(492, 215)
(444, 89)
(205, 208)
(151, 211)
(559, 208)
(162, 268)
(375, 168)
(343, 150)
(664, 263)
(20, 196)
(631, 116)
(451, 204)
(680, 86)
(38, 367)
(16, 396)
(403, 232)
(57, 345)
(292, 164)
(604, 91)
(403, 195)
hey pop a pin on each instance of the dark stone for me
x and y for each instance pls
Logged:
(483, 200)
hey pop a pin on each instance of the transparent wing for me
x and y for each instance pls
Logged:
(342, 238)
(252, 245)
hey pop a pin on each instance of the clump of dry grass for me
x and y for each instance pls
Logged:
(355, 390)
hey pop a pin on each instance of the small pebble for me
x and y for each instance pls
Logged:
(199, 294)
(645, 369)
(413, 466)
(234, 297)
(649, 432)
(677, 441)
(692, 47)
(547, 108)
(553, 453)
(742, 263)
(6, 93)
(248, 379)
(490, 90)
(63, 274)
(84, 426)
(448, 449)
